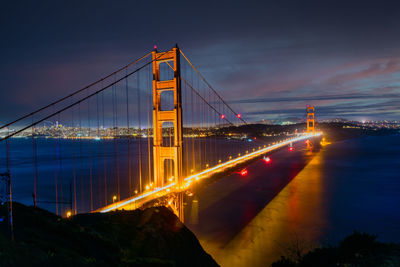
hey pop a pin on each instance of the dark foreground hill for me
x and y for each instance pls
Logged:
(356, 250)
(150, 237)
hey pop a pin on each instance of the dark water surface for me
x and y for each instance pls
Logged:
(312, 199)
(91, 172)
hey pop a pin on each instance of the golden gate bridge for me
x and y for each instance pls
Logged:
(145, 133)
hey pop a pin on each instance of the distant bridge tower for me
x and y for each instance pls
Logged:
(173, 151)
(310, 119)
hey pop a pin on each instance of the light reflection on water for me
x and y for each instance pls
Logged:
(296, 213)
(349, 185)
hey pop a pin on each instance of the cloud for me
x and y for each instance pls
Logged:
(262, 52)
(353, 110)
(315, 98)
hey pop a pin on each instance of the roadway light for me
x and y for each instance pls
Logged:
(114, 198)
(69, 213)
(243, 172)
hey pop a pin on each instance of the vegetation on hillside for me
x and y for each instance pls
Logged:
(358, 249)
(149, 237)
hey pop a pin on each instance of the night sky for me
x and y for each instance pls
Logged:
(267, 58)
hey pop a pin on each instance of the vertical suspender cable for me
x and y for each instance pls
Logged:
(104, 149)
(10, 206)
(59, 133)
(73, 162)
(129, 136)
(90, 157)
(193, 133)
(99, 191)
(116, 182)
(81, 174)
(55, 171)
(139, 131)
(35, 173)
(117, 134)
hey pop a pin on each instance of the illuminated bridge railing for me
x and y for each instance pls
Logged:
(137, 201)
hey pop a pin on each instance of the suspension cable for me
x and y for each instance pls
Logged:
(74, 93)
(77, 102)
(198, 94)
(209, 86)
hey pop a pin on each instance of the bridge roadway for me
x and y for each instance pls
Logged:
(147, 196)
(252, 220)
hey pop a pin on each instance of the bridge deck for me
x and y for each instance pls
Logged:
(138, 200)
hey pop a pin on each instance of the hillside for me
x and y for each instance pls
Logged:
(150, 237)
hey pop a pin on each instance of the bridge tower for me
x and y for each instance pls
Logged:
(173, 151)
(310, 119)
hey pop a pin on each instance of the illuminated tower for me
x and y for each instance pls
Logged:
(167, 152)
(310, 119)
